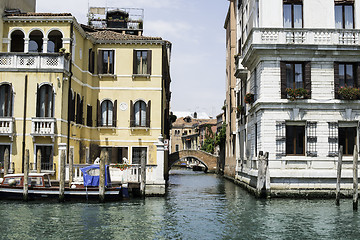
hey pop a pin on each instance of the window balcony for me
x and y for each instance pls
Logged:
(323, 37)
(46, 62)
(7, 126)
(43, 127)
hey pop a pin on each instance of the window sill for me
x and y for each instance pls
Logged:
(107, 75)
(106, 128)
(140, 128)
(141, 77)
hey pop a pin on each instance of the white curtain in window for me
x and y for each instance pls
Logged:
(106, 113)
(140, 113)
(144, 62)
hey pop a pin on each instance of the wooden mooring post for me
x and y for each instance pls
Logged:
(103, 159)
(38, 161)
(6, 161)
(143, 174)
(338, 176)
(26, 176)
(355, 178)
(262, 172)
(71, 166)
(62, 177)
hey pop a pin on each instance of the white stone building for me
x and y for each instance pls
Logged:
(311, 47)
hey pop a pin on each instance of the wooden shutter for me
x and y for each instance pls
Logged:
(132, 116)
(134, 62)
(11, 94)
(283, 80)
(112, 66)
(82, 111)
(98, 114)
(37, 101)
(149, 58)
(336, 80)
(307, 78)
(100, 62)
(148, 110)
(115, 113)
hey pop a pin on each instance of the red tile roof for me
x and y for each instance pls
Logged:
(111, 35)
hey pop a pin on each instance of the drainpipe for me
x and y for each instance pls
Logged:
(69, 94)
(24, 124)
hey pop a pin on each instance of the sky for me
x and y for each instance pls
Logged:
(196, 30)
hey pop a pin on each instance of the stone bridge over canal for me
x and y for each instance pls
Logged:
(209, 160)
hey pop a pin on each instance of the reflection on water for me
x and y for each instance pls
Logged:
(197, 206)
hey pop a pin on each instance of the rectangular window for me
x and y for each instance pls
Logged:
(295, 75)
(344, 15)
(91, 60)
(2, 152)
(138, 153)
(346, 75)
(295, 140)
(311, 139)
(89, 116)
(46, 157)
(347, 139)
(177, 148)
(119, 155)
(106, 61)
(293, 14)
(142, 62)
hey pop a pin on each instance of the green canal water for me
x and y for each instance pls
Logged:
(197, 206)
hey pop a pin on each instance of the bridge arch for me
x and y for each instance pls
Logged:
(209, 160)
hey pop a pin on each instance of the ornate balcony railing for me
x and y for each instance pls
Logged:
(34, 61)
(7, 126)
(302, 36)
(43, 127)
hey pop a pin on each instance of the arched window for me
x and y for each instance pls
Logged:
(6, 100)
(36, 41)
(54, 42)
(17, 41)
(107, 111)
(45, 101)
(140, 114)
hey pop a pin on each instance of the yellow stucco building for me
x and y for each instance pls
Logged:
(67, 86)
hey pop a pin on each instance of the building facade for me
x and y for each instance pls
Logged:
(83, 89)
(298, 74)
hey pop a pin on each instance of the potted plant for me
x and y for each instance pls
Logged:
(240, 109)
(62, 51)
(349, 93)
(249, 98)
(298, 93)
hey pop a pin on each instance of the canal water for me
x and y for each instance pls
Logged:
(197, 206)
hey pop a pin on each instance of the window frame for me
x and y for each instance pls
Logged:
(110, 67)
(49, 102)
(294, 139)
(343, 4)
(292, 3)
(346, 150)
(306, 79)
(136, 63)
(108, 123)
(8, 99)
(133, 149)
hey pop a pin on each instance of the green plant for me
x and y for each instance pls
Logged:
(298, 93)
(349, 93)
(249, 98)
(62, 50)
(121, 166)
(223, 108)
(221, 136)
(240, 109)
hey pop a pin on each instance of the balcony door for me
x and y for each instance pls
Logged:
(45, 101)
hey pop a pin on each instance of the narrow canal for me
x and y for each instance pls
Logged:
(198, 206)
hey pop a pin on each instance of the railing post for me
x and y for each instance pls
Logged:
(26, 176)
(71, 166)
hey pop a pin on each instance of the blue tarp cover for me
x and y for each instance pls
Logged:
(91, 175)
